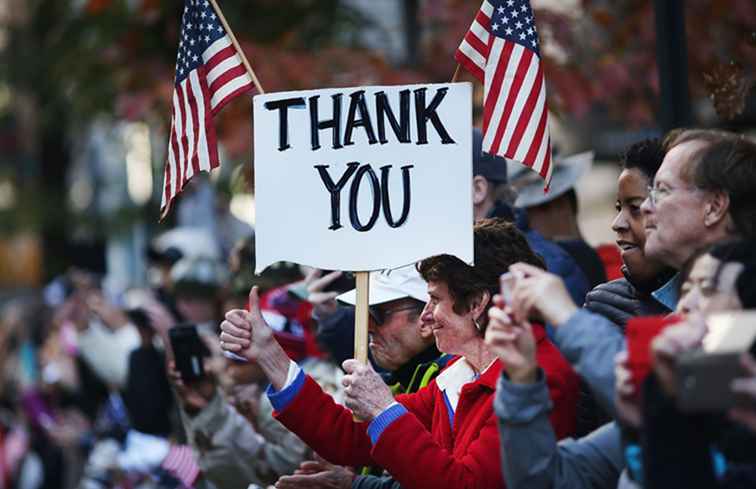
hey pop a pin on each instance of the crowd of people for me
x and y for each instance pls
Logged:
(473, 381)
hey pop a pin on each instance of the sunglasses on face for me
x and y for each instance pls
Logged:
(381, 315)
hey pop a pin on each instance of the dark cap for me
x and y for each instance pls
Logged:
(492, 168)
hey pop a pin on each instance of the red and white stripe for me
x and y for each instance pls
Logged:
(193, 145)
(515, 115)
(226, 74)
(473, 51)
(182, 463)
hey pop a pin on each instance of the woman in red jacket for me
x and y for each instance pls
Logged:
(445, 435)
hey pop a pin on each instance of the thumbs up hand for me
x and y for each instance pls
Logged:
(247, 335)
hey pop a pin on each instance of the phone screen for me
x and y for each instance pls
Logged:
(507, 285)
(189, 352)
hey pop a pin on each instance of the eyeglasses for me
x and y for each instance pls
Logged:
(657, 194)
(380, 315)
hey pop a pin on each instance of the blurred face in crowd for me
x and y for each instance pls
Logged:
(397, 333)
(196, 309)
(629, 226)
(159, 275)
(451, 330)
(675, 215)
(710, 287)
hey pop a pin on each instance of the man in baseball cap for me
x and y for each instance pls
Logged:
(489, 184)
(493, 195)
(399, 340)
(554, 213)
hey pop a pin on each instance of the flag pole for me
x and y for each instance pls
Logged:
(238, 47)
(455, 75)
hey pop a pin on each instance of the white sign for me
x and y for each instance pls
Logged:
(363, 178)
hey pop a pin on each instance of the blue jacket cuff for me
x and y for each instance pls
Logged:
(383, 420)
(577, 320)
(281, 399)
(518, 403)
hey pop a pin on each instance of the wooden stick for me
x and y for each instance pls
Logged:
(361, 317)
(361, 320)
(456, 74)
(238, 47)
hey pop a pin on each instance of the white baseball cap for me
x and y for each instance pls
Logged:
(390, 285)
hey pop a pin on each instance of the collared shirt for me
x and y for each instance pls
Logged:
(451, 380)
(669, 293)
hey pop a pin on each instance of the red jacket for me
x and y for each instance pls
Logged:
(420, 449)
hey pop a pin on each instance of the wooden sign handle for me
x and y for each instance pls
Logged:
(361, 320)
(361, 317)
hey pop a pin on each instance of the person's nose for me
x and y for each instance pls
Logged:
(689, 303)
(427, 314)
(620, 222)
(648, 207)
(372, 325)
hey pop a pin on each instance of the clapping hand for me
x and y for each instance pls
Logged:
(512, 342)
(540, 293)
(317, 474)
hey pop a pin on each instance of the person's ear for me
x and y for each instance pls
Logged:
(479, 306)
(480, 187)
(716, 208)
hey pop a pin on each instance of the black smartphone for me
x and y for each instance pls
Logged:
(188, 351)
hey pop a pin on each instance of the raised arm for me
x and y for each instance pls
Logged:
(588, 341)
(530, 455)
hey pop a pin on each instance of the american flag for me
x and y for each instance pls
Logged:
(209, 73)
(501, 50)
(181, 462)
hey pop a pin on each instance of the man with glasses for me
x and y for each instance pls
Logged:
(702, 194)
(400, 342)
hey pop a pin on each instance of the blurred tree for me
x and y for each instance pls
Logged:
(91, 56)
(66, 61)
(600, 55)
(70, 61)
